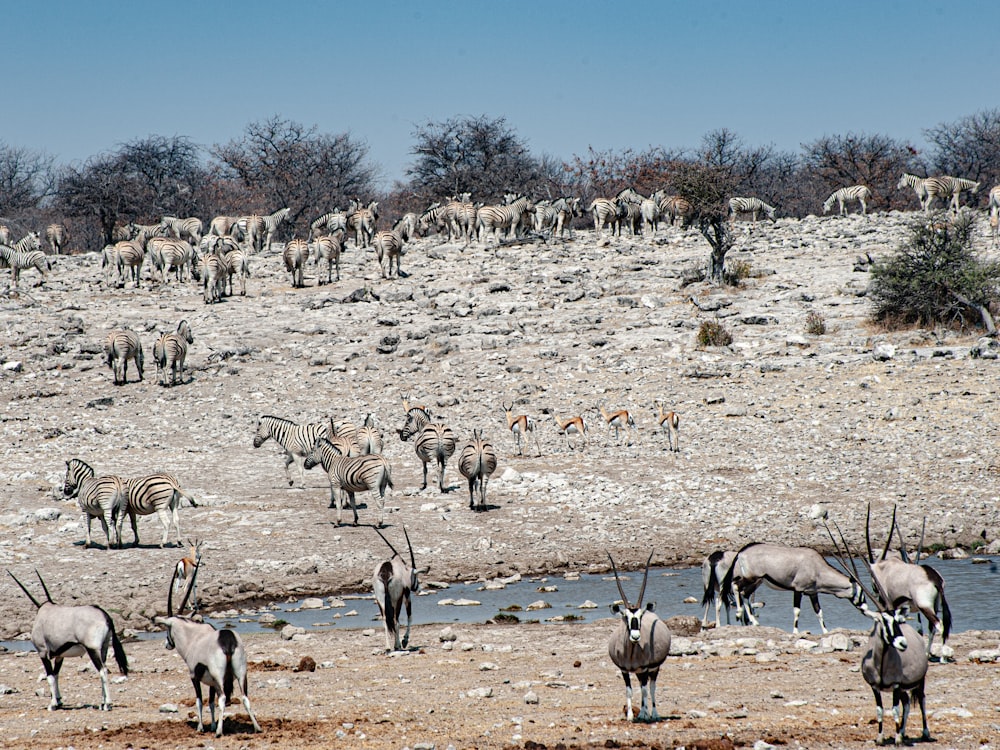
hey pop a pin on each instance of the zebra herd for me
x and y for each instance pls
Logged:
(122, 345)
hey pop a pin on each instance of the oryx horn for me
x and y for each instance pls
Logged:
(618, 581)
(413, 562)
(390, 543)
(44, 587)
(28, 593)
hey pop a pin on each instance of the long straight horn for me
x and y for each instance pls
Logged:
(170, 594)
(920, 544)
(190, 587)
(388, 542)
(618, 581)
(868, 536)
(645, 575)
(44, 587)
(888, 539)
(33, 599)
(902, 545)
(413, 563)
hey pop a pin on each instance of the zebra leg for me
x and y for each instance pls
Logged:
(424, 485)
(288, 462)
(164, 515)
(441, 465)
(135, 529)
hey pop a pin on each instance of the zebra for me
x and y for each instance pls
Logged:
(605, 210)
(677, 209)
(498, 218)
(477, 462)
(351, 474)
(463, 218)
(929, 188)
(417, 417)
(271, 224)
(296, 255)
(189, 229)
(388, 244)
(328, 223)
(994, 208)
(130, 254)
(109, 264)
(170, 350)
(296, 440)
(436, 217)
(436, 442)
(254, 229)
(214, 274)
(361, 220)
(57, 235)
(651, 213)
(556, 216)
(329, 248)
(544, 216)
(222, 225)
(629, 214)
(167, 254)
(845, 195)
(237, 264)
(369, 438)
(121, 345)
(23, 254)
(101, 497)
(159, 493)
(753, 206)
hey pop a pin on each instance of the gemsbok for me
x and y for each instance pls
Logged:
(392, 585)
(214, 657)
(801, 570)
(639, 646)
(713, 571)
(62, 631)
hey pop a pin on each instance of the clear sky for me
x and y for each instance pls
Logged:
(82, 77)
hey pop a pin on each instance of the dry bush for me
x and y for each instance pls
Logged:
(713, 333)
(815, 324)
(738, 270)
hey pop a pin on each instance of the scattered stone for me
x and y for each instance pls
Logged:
(306, 664)
(289, 631)
(531, 698)
(168, 708)
(883, 352)
(483, 692)
(684, 625)
(311, 603)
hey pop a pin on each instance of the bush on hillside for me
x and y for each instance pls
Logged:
(713, 333)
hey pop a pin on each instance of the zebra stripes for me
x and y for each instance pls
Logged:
(436, 442)
(437, 217)
(101, 497)
(222, 225)
(130, 255)
(477, 462)
(328, 224)
(189, 229)
(156, 493)
(677, 209)
(496, 219)
(296, 440)
(609, 210)
(214, 275)
(556, 216)
(845, 195)
(170, 351)
(651, 212)
(167, 254)
(929, 188)
(361, 220)
(753, 206)
(416, 419)
(237, 263)
(462, 217)
(388, 244)
(296, 255)
(254, 229)
(351, 474)
(121, 345)
(24, 254)
(57, 235)
(369, 438)
(271, 224)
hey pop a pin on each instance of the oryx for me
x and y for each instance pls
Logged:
(214, 657)
(920, 585)
(801, 570)
(713, 570)
(392, 584)
(639, 646)
(890, 662)
(61, 631)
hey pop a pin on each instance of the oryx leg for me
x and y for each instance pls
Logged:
(879, 712)
(52, 667)
(406, 636)
(814, 598)
(918, 693)
(647, 711)
(900, 712)
(744, 603)
(221, 699)
(196, 681)
(102, 670)
(628, 696)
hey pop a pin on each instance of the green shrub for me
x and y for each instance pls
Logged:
(815, 324)
(713, 333)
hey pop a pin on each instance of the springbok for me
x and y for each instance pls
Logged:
(713, 570)
(639, 645)
(619, 420)
(214, 657)
(889, 663)
(571, 426)
(186, 567)
(520, 425)
(920, 585)
(61, 631)
(392, 585)
(801, 570)
(669, 422)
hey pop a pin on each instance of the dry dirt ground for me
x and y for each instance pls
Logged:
(775, 429)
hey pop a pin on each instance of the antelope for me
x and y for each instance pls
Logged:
(619, 420)
(889, 663)
(638, 646)
(801, 570)
(713, 570)
(520, 425)
(669, 422)
(920, 585)
(186, 567)
(61, 631)
(214, 657)
(392, 585)
(571, 426)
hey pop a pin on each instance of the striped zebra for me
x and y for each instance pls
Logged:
(328, 248)
(237, 263)
(328, 223)
(436, 442)
(130, 255)
(189, 229)
(222, 225)
(57, 235)
(170, 351)
(929, 188)
(109, 264)
(156, 493)
(214, 275)
(101, 497)
(296, 255)
(544, 216)
(677, 209)
(436, 217)
(752, 206)
(845, 195)
(295, 440)
(496, 219)
(462, 215)
(606, 210)
(254, 231)
(24, 254)
(271, 224)
(369, 438)
(651, 212)
(417, 417)
(388, 244)
(121, 345)
(362, 220)
(167, 254)
(630, 214)
(993, 205)
(347, 432)
(351, 474)
(566, 210)
(477, 462)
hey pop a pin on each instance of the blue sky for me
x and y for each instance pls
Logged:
(80, 78)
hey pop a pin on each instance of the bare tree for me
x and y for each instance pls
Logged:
(26, 178)
(280, 163)
(968, 147)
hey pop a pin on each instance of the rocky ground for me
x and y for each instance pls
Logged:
(774, 430)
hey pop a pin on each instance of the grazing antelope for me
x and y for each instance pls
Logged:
(638, 646)
(186, 567)
(889, 663)
(571, 426)
(392, 585)
(61, 631)
(801, 570)
(619, 420)
(214, 657)
(477, 463)
(669, 422)
(520, 425)
(713, 570)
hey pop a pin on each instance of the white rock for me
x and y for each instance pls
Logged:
(531, 698)
(540, 604)
(289, 631)
(483, 692)
(311, 603)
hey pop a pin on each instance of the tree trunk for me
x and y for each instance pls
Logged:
(718, 236)
(984, 313)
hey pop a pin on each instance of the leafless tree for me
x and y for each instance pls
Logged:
(969, 148)
(26, 178)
